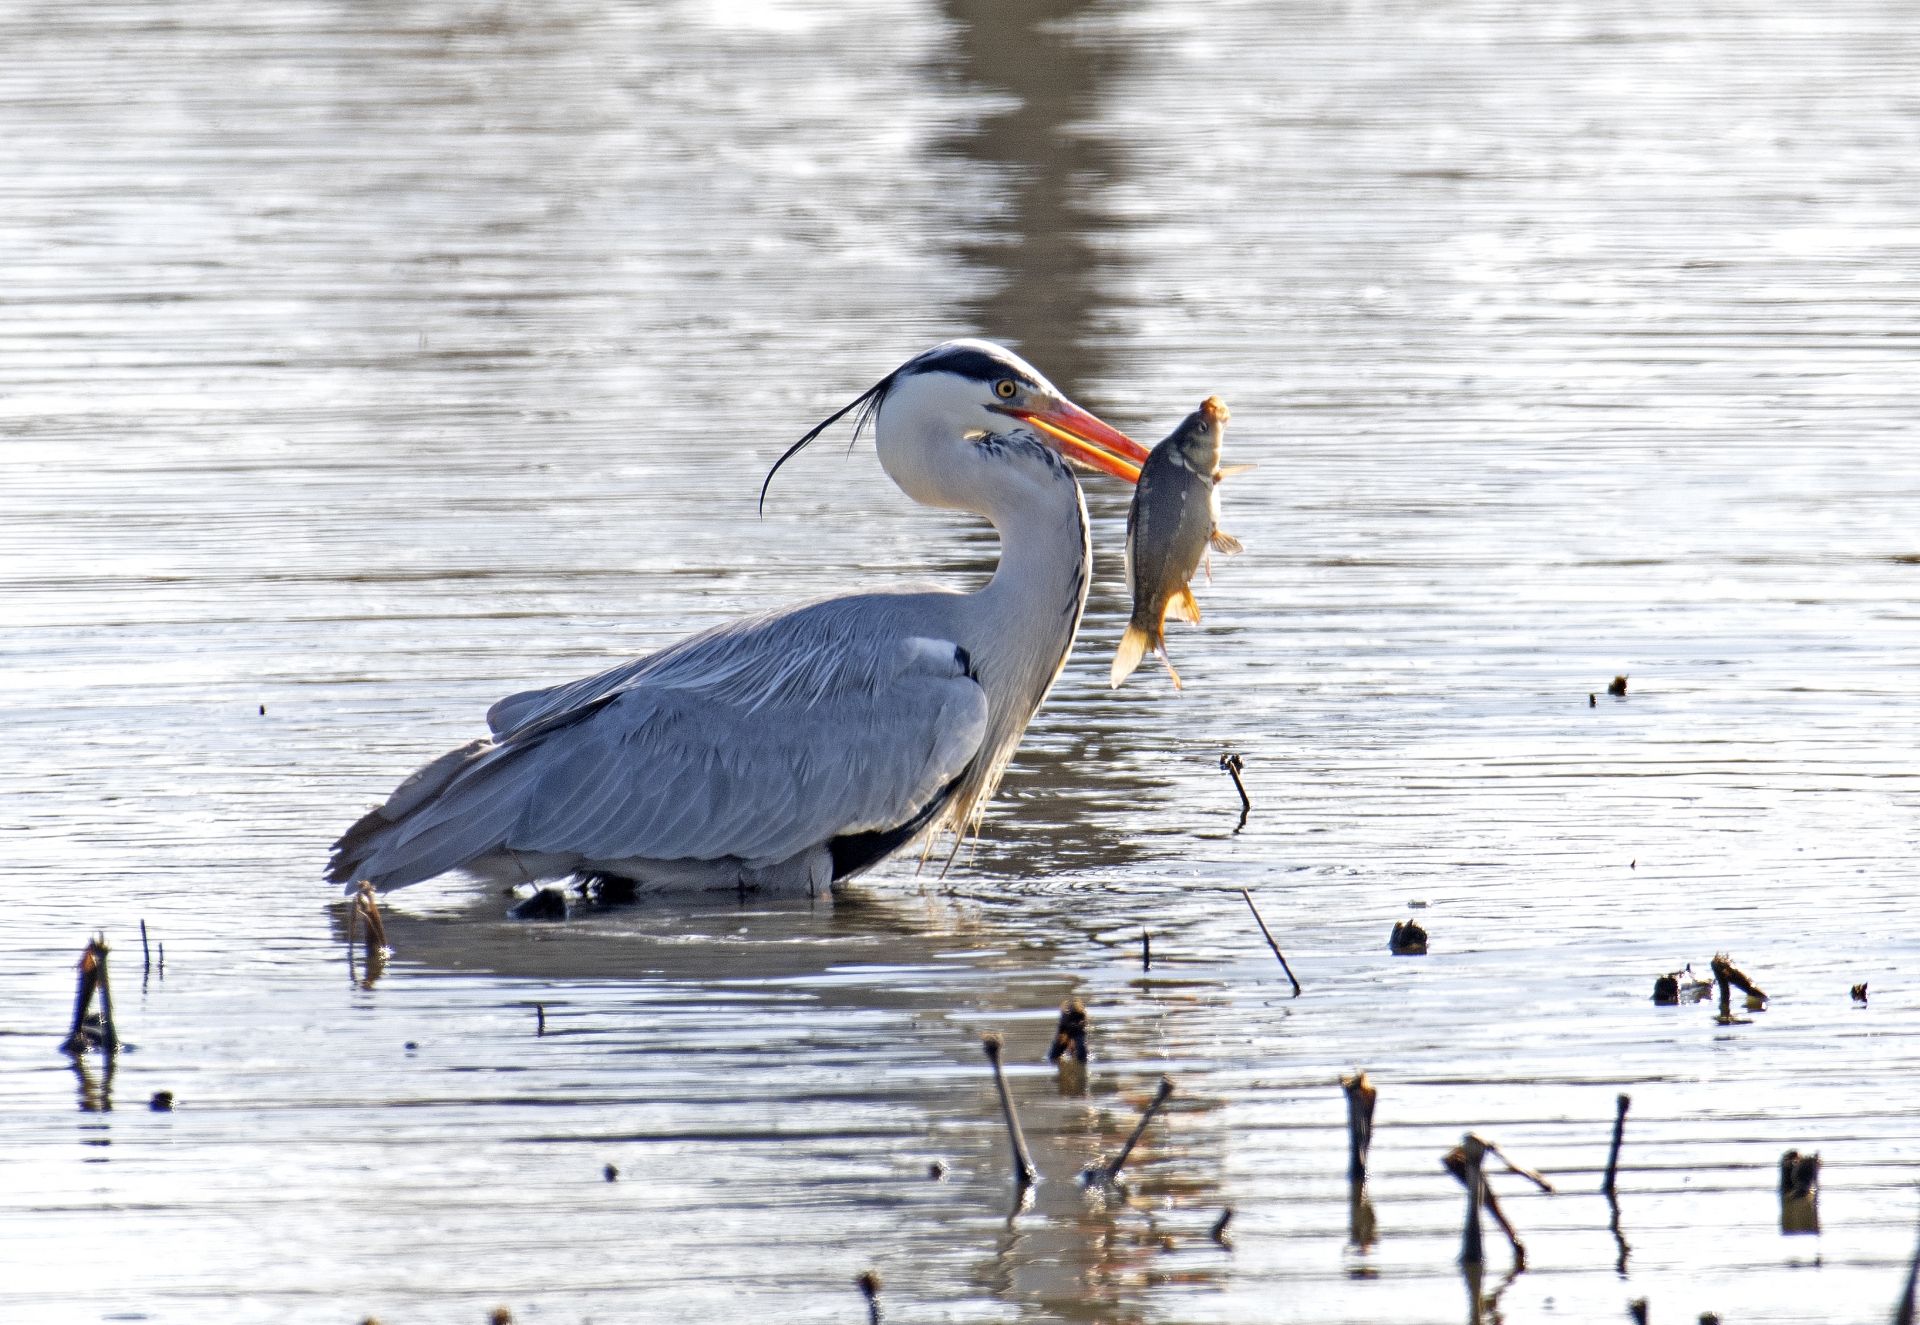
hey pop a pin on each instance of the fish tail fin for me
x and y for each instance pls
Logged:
(1225, 542)
(1133, 647)
(1182, 607)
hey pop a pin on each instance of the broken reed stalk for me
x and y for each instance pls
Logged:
(1360, 1098)
(370, 911)
(1024, 1172)
(1270, 943)
(93, 978)
(1727, 974)
(1456, 1164)
(1070, 1037)
(1108, 1172)
(1472, 1151)
(1620, 1104)
(146, 957)
(1146, 950)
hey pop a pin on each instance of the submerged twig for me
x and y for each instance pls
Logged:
(1231, 763)
(1270, 943)
(1024, 1172)
(1101, 1174)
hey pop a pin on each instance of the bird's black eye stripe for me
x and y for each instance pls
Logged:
(1005, 388)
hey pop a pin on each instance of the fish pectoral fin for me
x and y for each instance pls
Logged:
(1133, 647)
(1182, 607)
(1228, 471)
(1162, 651)
(1223, 541)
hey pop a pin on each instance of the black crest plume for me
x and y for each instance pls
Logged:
(868, 402)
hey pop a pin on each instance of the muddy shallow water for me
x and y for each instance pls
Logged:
(358, 367)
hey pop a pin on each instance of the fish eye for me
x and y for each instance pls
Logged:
(1005, 388)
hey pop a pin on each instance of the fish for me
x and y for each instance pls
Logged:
(1173, 523)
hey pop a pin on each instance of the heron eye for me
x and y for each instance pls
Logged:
(1005, 388)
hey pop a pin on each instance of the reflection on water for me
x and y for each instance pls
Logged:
(358, 367)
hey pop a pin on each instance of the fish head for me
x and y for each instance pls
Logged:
(1196, 442)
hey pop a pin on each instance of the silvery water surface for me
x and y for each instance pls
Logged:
(367, 363)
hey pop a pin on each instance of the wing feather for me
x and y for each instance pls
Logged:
(756, 740)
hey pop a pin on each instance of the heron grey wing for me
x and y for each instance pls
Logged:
(803, 730)
(509, 715)
(667, 775)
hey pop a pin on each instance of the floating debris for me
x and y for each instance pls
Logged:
(1270, 943)
(1666, 990)
(1025, 1175)
(1619, 686)
(1860, 993)
(612, 1173)
(501, 1316)
(1219, 1230)
(1638, 1310)
(937, 1170)
(1360, 1098)
(1799, 1193)
(869, 1282)
(540, 1019)
(1592, 703)
(1070, 1037)
(1407, 940)
(1620, 1103)
(92, 1030)
(162, 1101)
(1100, 1175)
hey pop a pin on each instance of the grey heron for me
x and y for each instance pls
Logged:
(801, 746)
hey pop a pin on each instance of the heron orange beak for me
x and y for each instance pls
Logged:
(1084, 438)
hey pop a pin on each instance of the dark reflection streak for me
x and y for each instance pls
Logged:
(1040, 276)
(96, 1093)
(1613, 1204)
(1044, 294)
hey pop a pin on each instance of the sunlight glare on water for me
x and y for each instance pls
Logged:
(361, 365)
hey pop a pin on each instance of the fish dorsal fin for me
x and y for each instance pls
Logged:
(1223, 541)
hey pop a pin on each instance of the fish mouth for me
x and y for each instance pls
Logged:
(1080, 437)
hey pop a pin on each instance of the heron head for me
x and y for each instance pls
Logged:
(937, 416)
